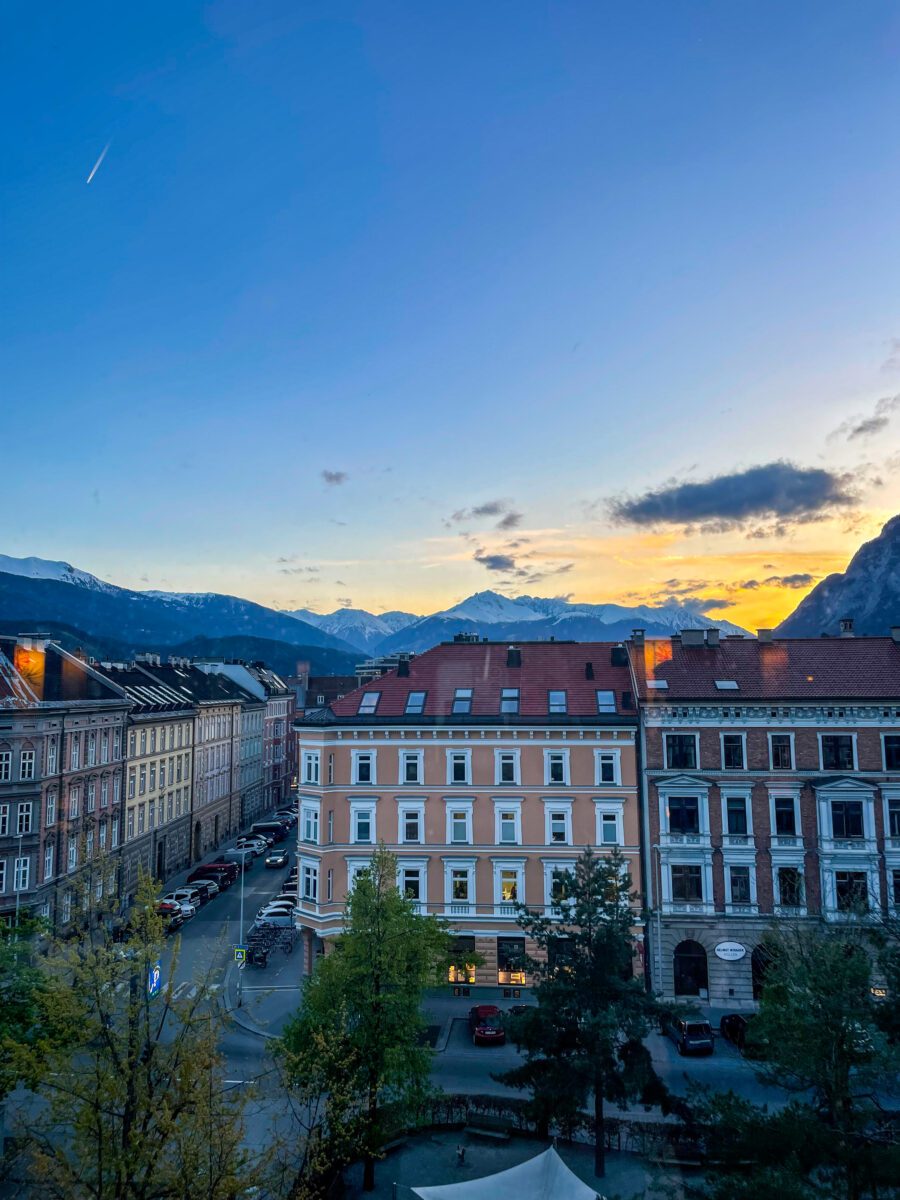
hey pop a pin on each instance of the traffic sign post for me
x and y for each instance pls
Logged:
(240, 954)
(154, 979)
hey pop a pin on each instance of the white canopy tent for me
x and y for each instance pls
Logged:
(544, 1177)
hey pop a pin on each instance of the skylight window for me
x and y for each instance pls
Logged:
(462, 700)
(556, 702)
(606, 702)
(368, 703)
(727, 685)
(660, 685)
(415, 703)
(509, 700)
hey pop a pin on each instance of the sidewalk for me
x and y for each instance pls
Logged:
(263, 999)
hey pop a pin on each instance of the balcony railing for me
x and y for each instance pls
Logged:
(685, 839)
(741, 910)
(731, 841)
(787, 841)
(698, 908)
(856, 845)
(790, 910)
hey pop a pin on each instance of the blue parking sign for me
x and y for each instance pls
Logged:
(154, 979)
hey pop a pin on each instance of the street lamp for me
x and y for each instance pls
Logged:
(241, 933)
(18, 889)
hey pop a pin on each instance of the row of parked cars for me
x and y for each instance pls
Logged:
(695, 1036)
(207, 881)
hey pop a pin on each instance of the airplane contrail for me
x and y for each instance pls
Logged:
(96, 166)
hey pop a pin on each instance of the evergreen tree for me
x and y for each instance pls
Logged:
(364, 1002)
(585, 1037)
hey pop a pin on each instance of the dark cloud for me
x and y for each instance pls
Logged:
(335, 478)
(800, 580)
(334, 521)
(340, 583)
(780, 490)
(495, 562)
(862, 427)
(344, 601)
(509, 517)
(298, 570)
(511, 521)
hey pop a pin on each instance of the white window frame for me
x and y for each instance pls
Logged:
(551, 867)
(838, 733)
(552, 805)
(354, 867)
(549, 753)
(792, 794)
(463, 806)
(782, 733)
(310, 808)
(22, 873)
(506, 908)
(308, 868)
(466, 755)
(738, 734)
(750, 863)
(5, 766)
(514, 807)
(358, 807)
(701, 793)
(355, 757)
(419, 867)
(417, 756)
(459, 908)
(312, 765)
(616, 755)
(27, 765)
(405, 808)
(517, 768)
(605, 808)
(686, 733)
(49, 849)
(705, 903)
(51, 807)
(24, 818)
(736, 793)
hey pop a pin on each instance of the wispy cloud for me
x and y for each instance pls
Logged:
(510, 518)
(344, 601)
(780, 491)
(801, 579)
(335, 478)
(859, 427)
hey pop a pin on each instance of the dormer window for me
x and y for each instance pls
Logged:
(606, 702)
(368, 704)
(462, 700)
(509, 700)
(556, 702)
(415, 703)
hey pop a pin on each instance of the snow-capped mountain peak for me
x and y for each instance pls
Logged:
(490, 608)
(355, 625)
(44, 568)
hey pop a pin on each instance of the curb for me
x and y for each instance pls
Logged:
(444, 1036)
(238, 1015)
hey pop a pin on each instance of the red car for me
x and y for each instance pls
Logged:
(486, 1025)
(224, 873)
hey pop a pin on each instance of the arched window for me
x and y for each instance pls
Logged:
(690, 969)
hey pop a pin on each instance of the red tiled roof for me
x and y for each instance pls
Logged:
(482, 666)
(783, 669)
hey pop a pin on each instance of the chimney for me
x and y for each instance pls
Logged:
(846, 624)
(403, 668)
(712, 637)
(692, 637)
(33, 641)
(637, 636)
(589, 670)
(513, 656)
(895, 633)
(764, 635)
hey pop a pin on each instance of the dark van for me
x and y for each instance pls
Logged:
(690, 1037)
(276, 829)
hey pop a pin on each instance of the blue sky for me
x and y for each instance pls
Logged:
(541, 255)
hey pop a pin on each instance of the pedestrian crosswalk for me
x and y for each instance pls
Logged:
(182, 991)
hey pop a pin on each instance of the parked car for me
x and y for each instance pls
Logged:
(241, 856)
(281, 920)
(256, 845)
(689, 1036)
(224, 873)
(188, 909)
(278, 906)
(738, 1028)
(171, 915)
(486, 1025)
(276, 859)
(290, 817)
(277, 830)
(209, 885)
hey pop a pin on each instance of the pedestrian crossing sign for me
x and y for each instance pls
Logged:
(240, 954)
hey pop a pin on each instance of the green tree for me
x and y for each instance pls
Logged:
(130, 1100)
(364, 1000)
(22, 983)
(586, 1035)
(819, 1027)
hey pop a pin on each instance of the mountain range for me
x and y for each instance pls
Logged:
(109, 621)
(868, 592)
